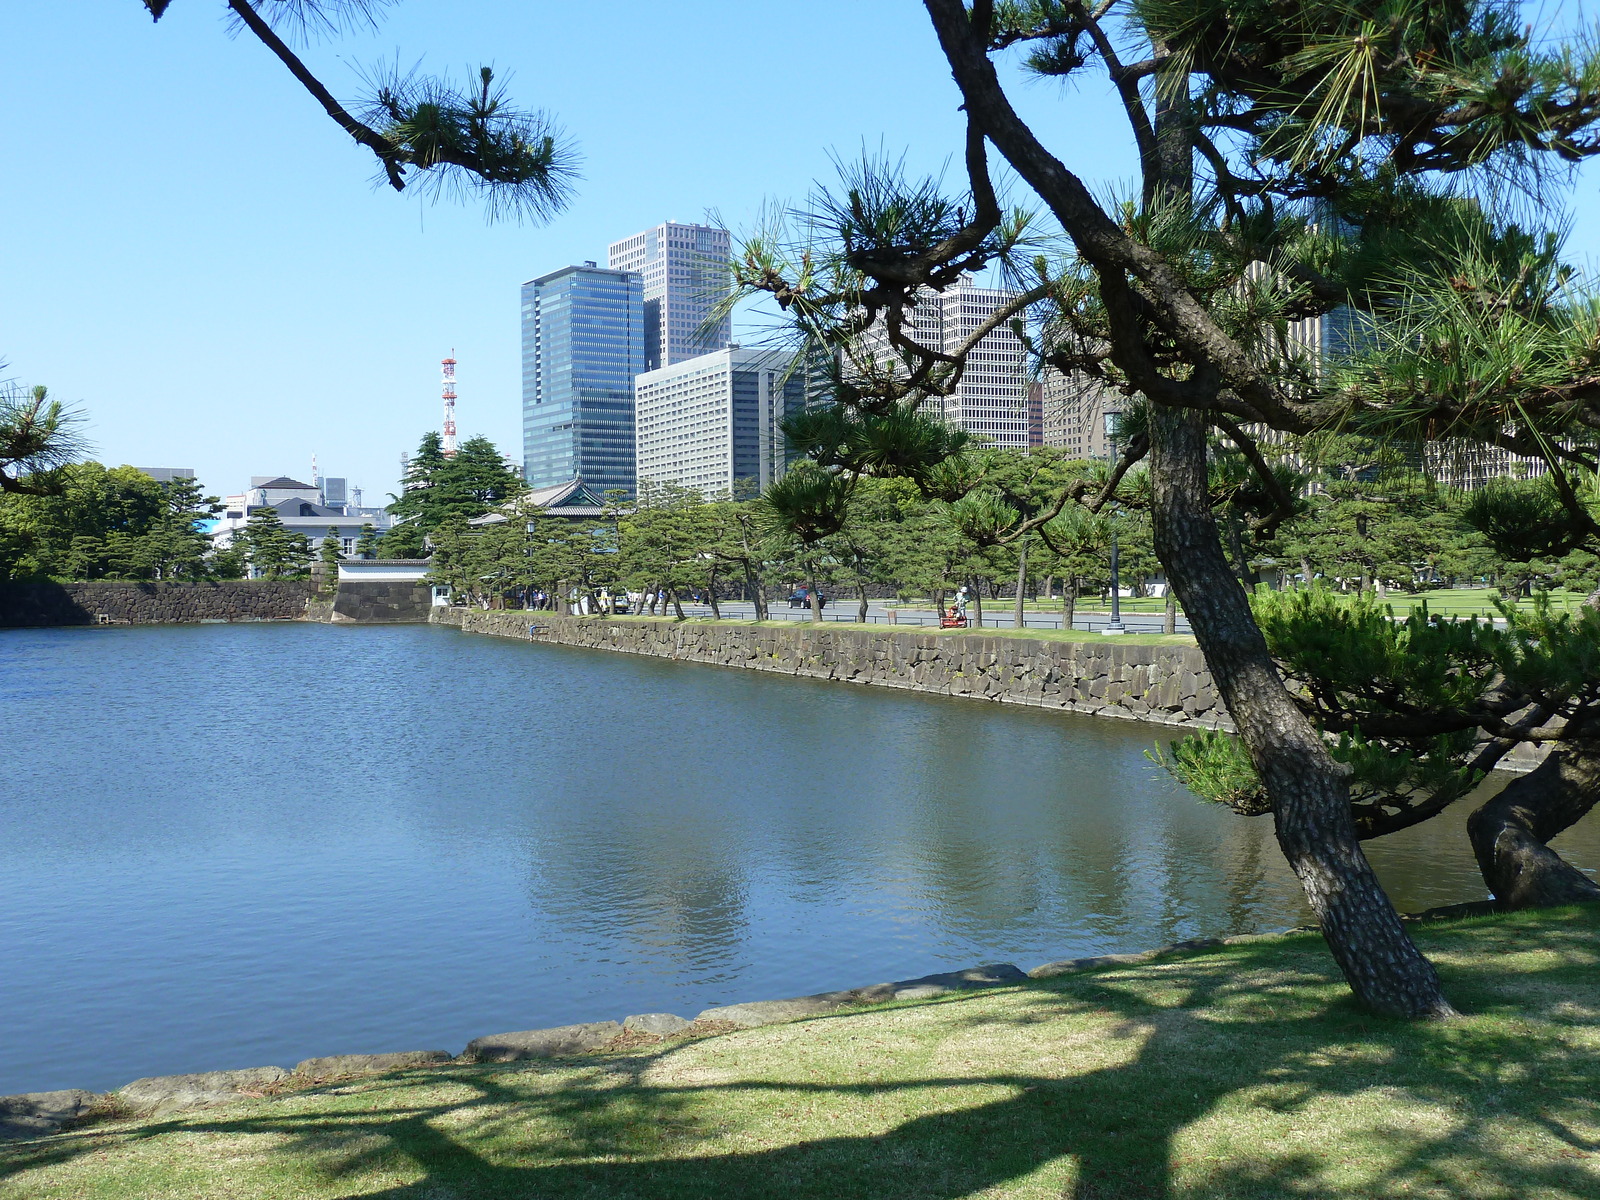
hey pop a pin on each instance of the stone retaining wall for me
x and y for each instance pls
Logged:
(382, 602)
(1105, 676)
(126, 603)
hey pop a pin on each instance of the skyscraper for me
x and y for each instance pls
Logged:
(1074, 415)
(992, 398)
(713, 421)
(582, 344)
(685, 270)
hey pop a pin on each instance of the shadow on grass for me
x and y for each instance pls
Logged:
(1210, 1048)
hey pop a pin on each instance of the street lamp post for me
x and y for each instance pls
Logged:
(1113, 627)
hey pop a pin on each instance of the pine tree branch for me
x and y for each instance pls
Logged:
(388, 153)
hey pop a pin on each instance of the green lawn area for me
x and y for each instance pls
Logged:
(1454, 602)
(1037, 635)
(1239, 1072)
(1471, 602)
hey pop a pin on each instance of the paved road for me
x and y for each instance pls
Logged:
(994, 617)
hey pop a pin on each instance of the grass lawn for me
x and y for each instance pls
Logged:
(1472, 602)
(1454, 602)
(1038, 635)
(1240, 1072)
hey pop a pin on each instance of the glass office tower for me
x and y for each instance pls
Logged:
(582, 345)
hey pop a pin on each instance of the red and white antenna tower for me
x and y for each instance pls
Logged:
(449, 380)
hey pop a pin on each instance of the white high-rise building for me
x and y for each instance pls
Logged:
(685, 269)
(713, 421)
(1074, 415)
(992, 398)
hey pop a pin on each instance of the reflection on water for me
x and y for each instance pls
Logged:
(233, 845)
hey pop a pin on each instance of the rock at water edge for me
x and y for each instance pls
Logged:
(769, 1012)
(541, 1043)
(665, 1024)
(334, 1066)
(36, 1114)
(169, 1093)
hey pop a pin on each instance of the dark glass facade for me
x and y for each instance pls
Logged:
(582, 344)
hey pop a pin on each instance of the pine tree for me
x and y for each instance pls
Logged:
(178, 545)
(273, 551)
(1289, 164)
(439, 489)
(330, 557)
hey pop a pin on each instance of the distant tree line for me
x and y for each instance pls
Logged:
(99, 522)
(1369, 519)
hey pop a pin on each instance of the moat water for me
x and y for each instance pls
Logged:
(227, 846)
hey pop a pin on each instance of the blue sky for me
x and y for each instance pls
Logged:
(196, 255)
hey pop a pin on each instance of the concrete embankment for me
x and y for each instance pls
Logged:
(1167, 685)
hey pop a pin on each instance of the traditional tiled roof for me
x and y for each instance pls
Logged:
(571, 499)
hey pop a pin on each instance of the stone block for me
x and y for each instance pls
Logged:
(541, 1043)
(665, 1024)
(38, 1114)
(925, 987)
(769, 1012)
(159, 1094)
(1067, 966)
(335, 1066)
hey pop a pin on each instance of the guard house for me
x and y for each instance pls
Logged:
(574, 500)
(386, 589)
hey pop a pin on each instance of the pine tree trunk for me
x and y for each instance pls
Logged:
(1022, 582)
(861, 611)
(977, 605)
(1069, 601)
(816, 598)
(1509, 832)
(753, 591)
(1309, 791)
(1169, 622)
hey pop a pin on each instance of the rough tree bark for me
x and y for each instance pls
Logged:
(1510, 831)
(754, 591)
(1022, 582)
(1309, 790)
